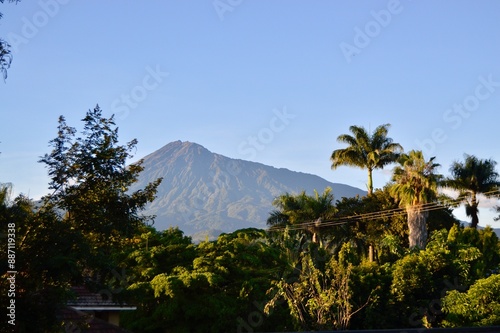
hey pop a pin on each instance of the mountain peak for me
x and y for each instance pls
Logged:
(177, 149)
(181, 145)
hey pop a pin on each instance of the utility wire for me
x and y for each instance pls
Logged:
(427, 207)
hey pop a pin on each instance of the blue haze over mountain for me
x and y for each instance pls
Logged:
(207, 193)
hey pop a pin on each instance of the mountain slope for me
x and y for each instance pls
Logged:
(207, 192)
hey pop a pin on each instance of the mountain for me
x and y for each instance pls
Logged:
(203, 192)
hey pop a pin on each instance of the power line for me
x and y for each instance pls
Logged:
(427, 207)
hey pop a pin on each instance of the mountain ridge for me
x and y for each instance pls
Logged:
(205, 192)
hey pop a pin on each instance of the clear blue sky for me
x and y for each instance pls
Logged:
(269, 81)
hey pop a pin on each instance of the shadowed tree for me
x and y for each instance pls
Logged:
(46, 255)
(303, 211)
(366, 151)
(368, 233)
(472, 177)
(415, 184)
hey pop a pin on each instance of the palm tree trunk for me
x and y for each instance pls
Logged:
(316, 237)
(417, 225)
(370, 181)
(474, 211)
(475, 219)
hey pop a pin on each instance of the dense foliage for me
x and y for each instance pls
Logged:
(325, 263)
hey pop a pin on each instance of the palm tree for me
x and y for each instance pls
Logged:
(472, 177)
(415, 184)
(302, 210)
(366, 151)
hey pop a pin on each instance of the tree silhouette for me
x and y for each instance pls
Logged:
(472, 177)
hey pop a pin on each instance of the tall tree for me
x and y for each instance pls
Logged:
(90, 180)
(416, 183)
(472, 177)
(366, 151)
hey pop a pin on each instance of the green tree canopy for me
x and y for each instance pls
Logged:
(420, 278)
(218, 291)
(478, 306)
